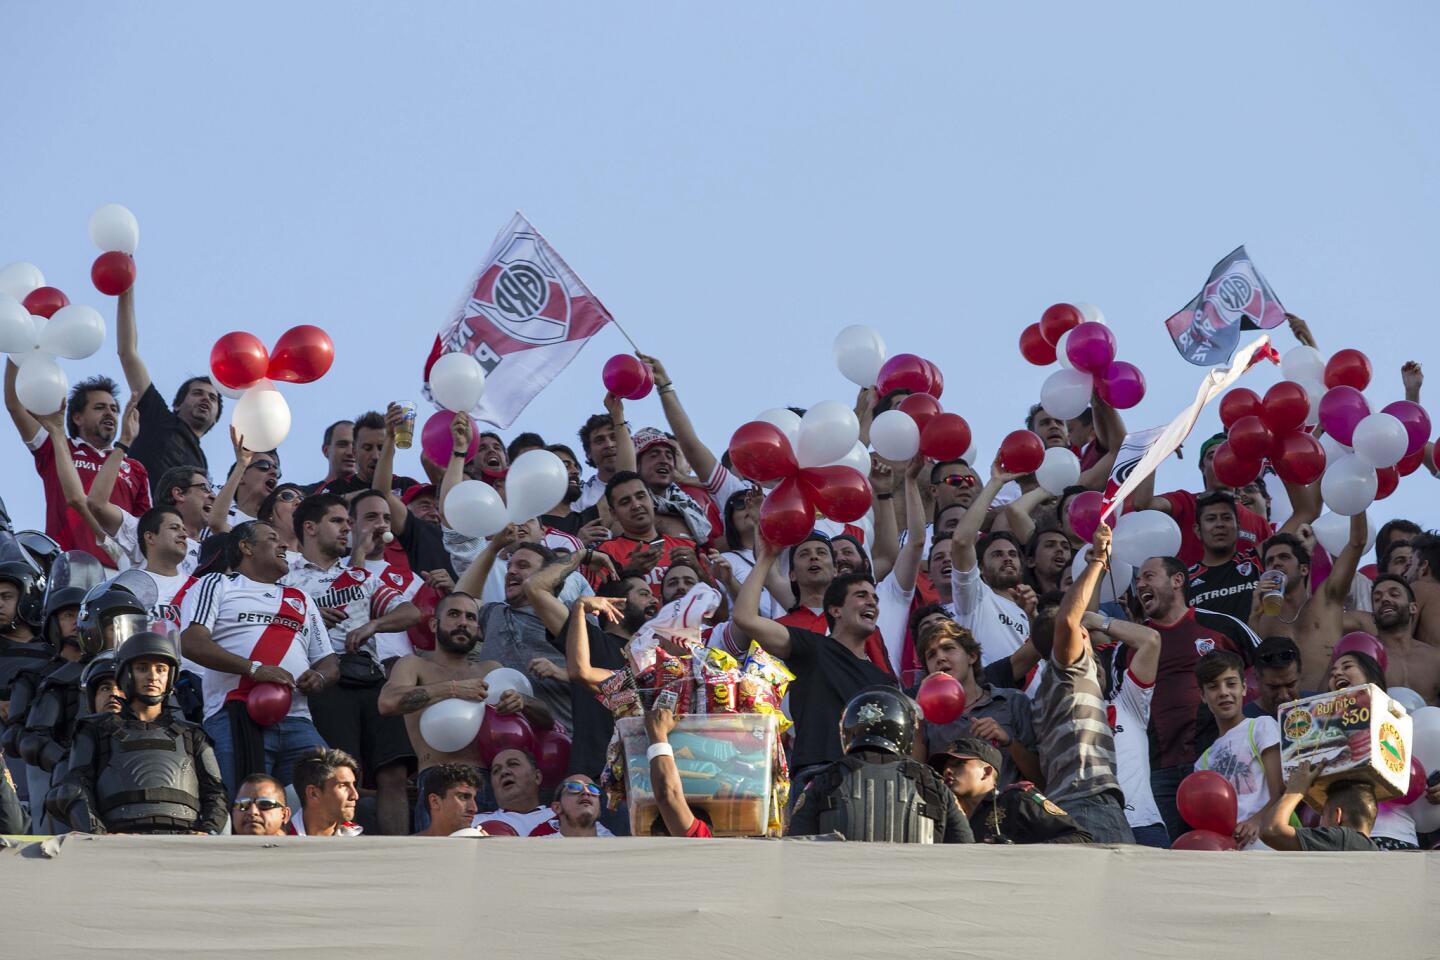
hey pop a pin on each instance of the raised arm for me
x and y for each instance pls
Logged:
(907, 563)
(1144, 643)
(462, 435)
(1017, 514)
(1143, 498)
(25, 423)
(1305, 505)
(624, 443)
(472, 581)
(225, 498)
(887, 535)
(665, 780)
(1069, 620)
(1342, 574)
(1275, 827)
(69, 477)
(107, 515)
(578, 665)
(384, 479)
(1412, 375)
(769, 634)
(127, 344)
(700, 457)
(543, 588)
(967, 532)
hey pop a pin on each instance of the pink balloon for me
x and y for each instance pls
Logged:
(1416, 421)
(1122, 386)
(435, 438)
(1341, 409)
(1083, 511)
(1091, 347)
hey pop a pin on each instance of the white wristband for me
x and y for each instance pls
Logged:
(659, 750)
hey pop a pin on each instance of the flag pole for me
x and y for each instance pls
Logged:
(624, 334)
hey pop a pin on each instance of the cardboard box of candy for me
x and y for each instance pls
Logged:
(1359, 733)
(725, 761)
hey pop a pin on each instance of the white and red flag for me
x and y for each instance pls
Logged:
(524, 316)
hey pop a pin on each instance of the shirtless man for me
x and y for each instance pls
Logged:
(1411, 663)
(1423, 575)
(416, 682)
(1315, 622)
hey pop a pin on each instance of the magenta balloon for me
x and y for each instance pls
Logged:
(435, 438)
(1416, 421)
(1122, 386)
(1083, 511)
(1341, 409)
(1091, 347)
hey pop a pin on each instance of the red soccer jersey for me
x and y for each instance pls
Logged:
(65, 526)
(620, 549)
(1254, 529)
(1177, 695)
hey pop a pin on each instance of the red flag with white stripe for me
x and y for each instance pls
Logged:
(525, 315)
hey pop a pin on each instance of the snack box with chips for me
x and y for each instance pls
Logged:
(725, 762)
(1359, 733)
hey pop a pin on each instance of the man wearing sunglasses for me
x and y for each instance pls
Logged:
(259, 809)
(577, 811)
(252, 478)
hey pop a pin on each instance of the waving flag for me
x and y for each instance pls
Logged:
(524, 316)
(1207, 330)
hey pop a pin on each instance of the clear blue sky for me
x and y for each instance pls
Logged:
(736, 183)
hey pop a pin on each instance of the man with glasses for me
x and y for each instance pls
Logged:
(577, 811)
(260, 809)
(252, 478)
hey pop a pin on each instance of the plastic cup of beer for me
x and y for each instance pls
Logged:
(1272, 592)
(405, 430)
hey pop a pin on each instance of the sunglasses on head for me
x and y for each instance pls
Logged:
(575, 788)
(959, 480)
(265, 805)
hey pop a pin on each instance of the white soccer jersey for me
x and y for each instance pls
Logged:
(404, 582)
(128, 537)
(361, 594)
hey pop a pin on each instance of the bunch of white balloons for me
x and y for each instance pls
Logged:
(534, 485)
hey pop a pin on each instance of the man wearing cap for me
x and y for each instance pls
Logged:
(1018, 814)
(678, 513)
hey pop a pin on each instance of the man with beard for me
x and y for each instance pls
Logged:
(577, 810)
(593, 653)
(338, 448)
(92, 416)
(566, 517)
(990, 599)
(605, 440)
(1186, 635)
(370, 432)
(1423, 575)
(449, 671)
(1314, 621)
(1411, 663)
(640, 546)
(449, 797)
(169, 436)
(1047, 557)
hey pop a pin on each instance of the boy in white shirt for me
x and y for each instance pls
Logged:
(1247, 752)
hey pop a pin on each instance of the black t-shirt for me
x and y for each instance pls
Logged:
(344, 486)
(164, 441)
(827, 675)
(424, 546)
(572, 521)
(593, 723)
(1225, 588)
(1328, 839)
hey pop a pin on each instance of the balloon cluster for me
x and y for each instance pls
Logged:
(822, 478)
(625, 376)
(1207, 802)
(244, 370)
(115, 231)
(1076, 336)
(453, 725)
(1270, 428)
(534, 484)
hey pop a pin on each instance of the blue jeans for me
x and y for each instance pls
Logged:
(1152, 835)
(285, 742)
(1103, 817)
(1164, 783)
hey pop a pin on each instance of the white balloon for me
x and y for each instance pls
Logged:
(1059, 469)
(1314, 390)
(827, 432)
(457, 381)
(502, 679)
(1066, 393)
(1334, 449)
(534, 484)
(1090, 312)
(475, 509)
(787, 420)
(1113, 582)
(857, 457)
(228, 392)
(895, 435)
(450, 725)
(1407, 698)
(1332, 530)
(971, 454)
(1426, 737)
(1349, 485)
(20, 279)
(261, 417)
(40, 384)
(113, 227)
(1303, 365)
(1062, 350)
(1145, 534)
(74, 332)
(1380, 440)
(859, 353)
(17, 330)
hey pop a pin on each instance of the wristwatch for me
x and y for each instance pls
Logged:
(254, 666)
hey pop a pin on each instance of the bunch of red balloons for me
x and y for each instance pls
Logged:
(906, 371)
(761, 451)
(1271, 428)
(1207, 802)
(1075, 336)
(303, 354)
(628, 377)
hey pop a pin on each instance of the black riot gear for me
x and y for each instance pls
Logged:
(879, 718)
(110, 615)
(150, 646)
(97, 671)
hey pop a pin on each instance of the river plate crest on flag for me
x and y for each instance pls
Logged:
(522, 294)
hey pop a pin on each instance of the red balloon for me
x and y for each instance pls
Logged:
(303, 354)
(1285, 407)
(1035, 348)
(1203, 840)
(945, 437)
(1251, 439)
(787, 516)
(1207, 802)
(113, 273)
(623, 374)
(839, 492)
(552, 755)
(760, 451)
(937, 381)
(1388, 478)
(1410, 464)
(500, 732)
(921, 407)
(498, 828)
(1022, 452)
(904, 371)
(1058, 318)
(239, 359)
(1240, 402)
(1232, 470)
(268, 703)
(1299, 458)
(1416, 786)
(1348, 367)
(941, 698)
(44, 301)
(1358, 641)
(1083, 512)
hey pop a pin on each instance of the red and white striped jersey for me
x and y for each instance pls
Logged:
(363, 596)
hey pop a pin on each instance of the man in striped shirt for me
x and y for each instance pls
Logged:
(1077, 748)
